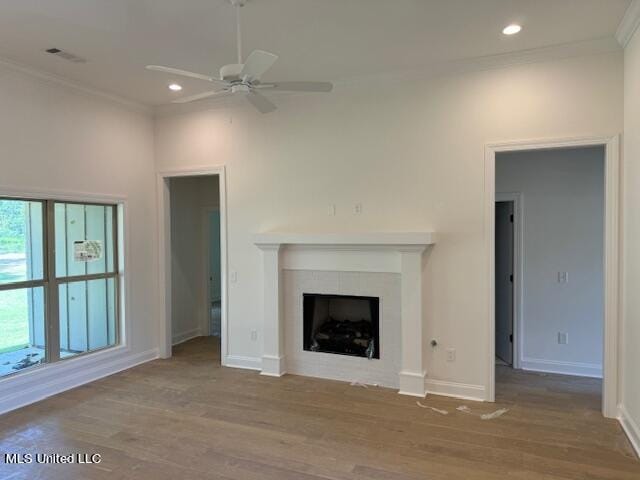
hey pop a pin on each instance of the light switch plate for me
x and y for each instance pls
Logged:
(451, 355)
(563, 338)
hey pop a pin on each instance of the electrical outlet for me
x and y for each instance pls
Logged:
(451, 354)
(331, 210)
(563, 338)
(563, 277)
(254, 335)
(357, 209)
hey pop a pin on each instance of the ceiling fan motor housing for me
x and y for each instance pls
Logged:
(231, 72)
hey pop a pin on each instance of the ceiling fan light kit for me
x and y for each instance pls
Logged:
(243, 78)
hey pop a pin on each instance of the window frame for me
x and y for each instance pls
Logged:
(51, 283)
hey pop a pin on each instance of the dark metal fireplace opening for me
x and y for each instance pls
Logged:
(342, 324)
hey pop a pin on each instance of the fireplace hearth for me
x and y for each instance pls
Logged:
(342, 324)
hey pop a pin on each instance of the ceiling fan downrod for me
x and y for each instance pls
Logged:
(238, 4)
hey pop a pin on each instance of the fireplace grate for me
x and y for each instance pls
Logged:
(341, 324)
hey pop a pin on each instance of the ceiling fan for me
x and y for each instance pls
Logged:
(243, 78)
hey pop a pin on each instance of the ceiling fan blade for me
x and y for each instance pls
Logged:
(202, 96)
(183, 73)
(257, 64)
(297, 86)
(262, 104)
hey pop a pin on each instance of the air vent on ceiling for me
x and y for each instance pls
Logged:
(65, 55)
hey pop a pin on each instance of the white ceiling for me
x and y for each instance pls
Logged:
(316, 39)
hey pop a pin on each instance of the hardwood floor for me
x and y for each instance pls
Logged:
(187, 418)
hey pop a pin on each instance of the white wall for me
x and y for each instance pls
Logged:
(563, 231)
(412, 153)
(631, 240)
(190, 196)
(55, 139)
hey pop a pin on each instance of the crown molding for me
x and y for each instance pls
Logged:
(629, 23)
(562, 51)
(598, 46)
(77, 87)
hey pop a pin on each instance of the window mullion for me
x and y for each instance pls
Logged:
(52, 319)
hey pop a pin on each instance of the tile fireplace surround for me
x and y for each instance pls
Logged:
(348, 264)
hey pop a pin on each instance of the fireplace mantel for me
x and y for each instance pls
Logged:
(397, 252)
(389, 239)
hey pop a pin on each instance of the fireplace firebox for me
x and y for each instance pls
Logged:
(342, 324)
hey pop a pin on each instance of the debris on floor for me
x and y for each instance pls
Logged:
(484, 416)
(496, 414)
(437, 410)
(357, 383)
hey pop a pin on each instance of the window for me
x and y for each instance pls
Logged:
(59, 281)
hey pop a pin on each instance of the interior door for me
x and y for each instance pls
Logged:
(504, 281)
(214, 256)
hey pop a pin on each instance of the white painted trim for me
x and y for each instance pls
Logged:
(454, 389)
(578, 369)
(247, 363)
(412, 384)
(75, 87)
(49, 379)
(164, 254)
(393, 239)
(274, 365)
(37, 193)
(630, 427)
(629, 23)
(611, 256)
(518, 272)
(179, 338)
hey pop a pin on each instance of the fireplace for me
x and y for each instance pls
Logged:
(342, 324)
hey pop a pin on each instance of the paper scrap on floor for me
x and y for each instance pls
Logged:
(496, 414)
(441, 412)
(485, 416)
(356, 383)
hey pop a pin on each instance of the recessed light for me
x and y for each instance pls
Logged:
(174, 87)
(511, 29)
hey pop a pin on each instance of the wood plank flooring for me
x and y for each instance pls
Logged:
(187, 418)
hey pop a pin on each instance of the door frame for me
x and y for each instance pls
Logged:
(518, 271)
(164, 251)
(611, 364)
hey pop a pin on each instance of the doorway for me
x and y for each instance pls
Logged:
(192, 269)
(560, 278)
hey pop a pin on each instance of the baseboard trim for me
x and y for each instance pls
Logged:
(578, 369)
(463, 391)
(630, 427)
(239, 361)
(273, 366)
(186, 336)
(48, 380)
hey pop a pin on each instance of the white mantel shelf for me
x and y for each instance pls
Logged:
(392, 239)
